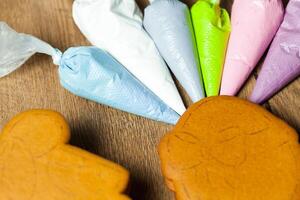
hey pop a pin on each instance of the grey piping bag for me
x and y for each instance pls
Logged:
(170, 25)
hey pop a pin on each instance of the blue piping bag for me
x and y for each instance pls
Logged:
(88, 72)
(169, 24)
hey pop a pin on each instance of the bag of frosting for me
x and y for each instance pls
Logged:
(282, 64)
(88, 72)
(212, 30)
(254, 25)
(170, 26)
(117, 27)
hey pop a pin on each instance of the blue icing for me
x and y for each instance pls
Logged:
(91, 73)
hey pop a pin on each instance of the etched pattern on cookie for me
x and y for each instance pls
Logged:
(225, 148)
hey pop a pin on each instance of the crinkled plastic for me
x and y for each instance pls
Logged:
(16, 48)
(212, 29)
(88, 72)
(170, 26)
(282, 64)
(254, 25)
(117, 27)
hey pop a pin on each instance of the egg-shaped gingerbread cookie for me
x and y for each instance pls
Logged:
(225, 148)
(37, 163)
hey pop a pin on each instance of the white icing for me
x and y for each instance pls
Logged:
(117, 27)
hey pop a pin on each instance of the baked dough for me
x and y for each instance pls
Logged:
(37, 164)
(225, 148)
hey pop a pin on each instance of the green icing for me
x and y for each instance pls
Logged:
(212, 30)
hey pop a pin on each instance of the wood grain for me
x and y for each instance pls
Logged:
(115, 135)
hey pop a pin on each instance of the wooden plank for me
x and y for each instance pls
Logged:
(115, 135)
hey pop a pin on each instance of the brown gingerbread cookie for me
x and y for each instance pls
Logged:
(225, 148)
(36, 163)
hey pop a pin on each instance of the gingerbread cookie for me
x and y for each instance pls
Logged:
(225, 148)
(37, 163)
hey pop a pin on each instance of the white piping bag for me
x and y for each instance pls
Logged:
(170, 25)
(88, 72)
(117, 27)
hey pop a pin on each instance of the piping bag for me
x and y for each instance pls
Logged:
(117, 27)
(169, 24)
(212, 30)
(282, 64)
(254, 25)
(88, 72)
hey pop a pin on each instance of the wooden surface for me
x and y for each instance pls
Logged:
(115, 135)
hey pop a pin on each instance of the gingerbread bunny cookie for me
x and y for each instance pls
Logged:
(37, 163)
(225, 148)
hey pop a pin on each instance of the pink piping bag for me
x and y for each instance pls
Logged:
(254, 25)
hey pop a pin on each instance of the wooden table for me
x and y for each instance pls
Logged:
(115, 135)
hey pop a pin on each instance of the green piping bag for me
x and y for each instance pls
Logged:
(212, 30)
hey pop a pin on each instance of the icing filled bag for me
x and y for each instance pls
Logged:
(254, 24)
(88, 72)
(169, 24)
(212, 29)
(117, 27)
(282, 64)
